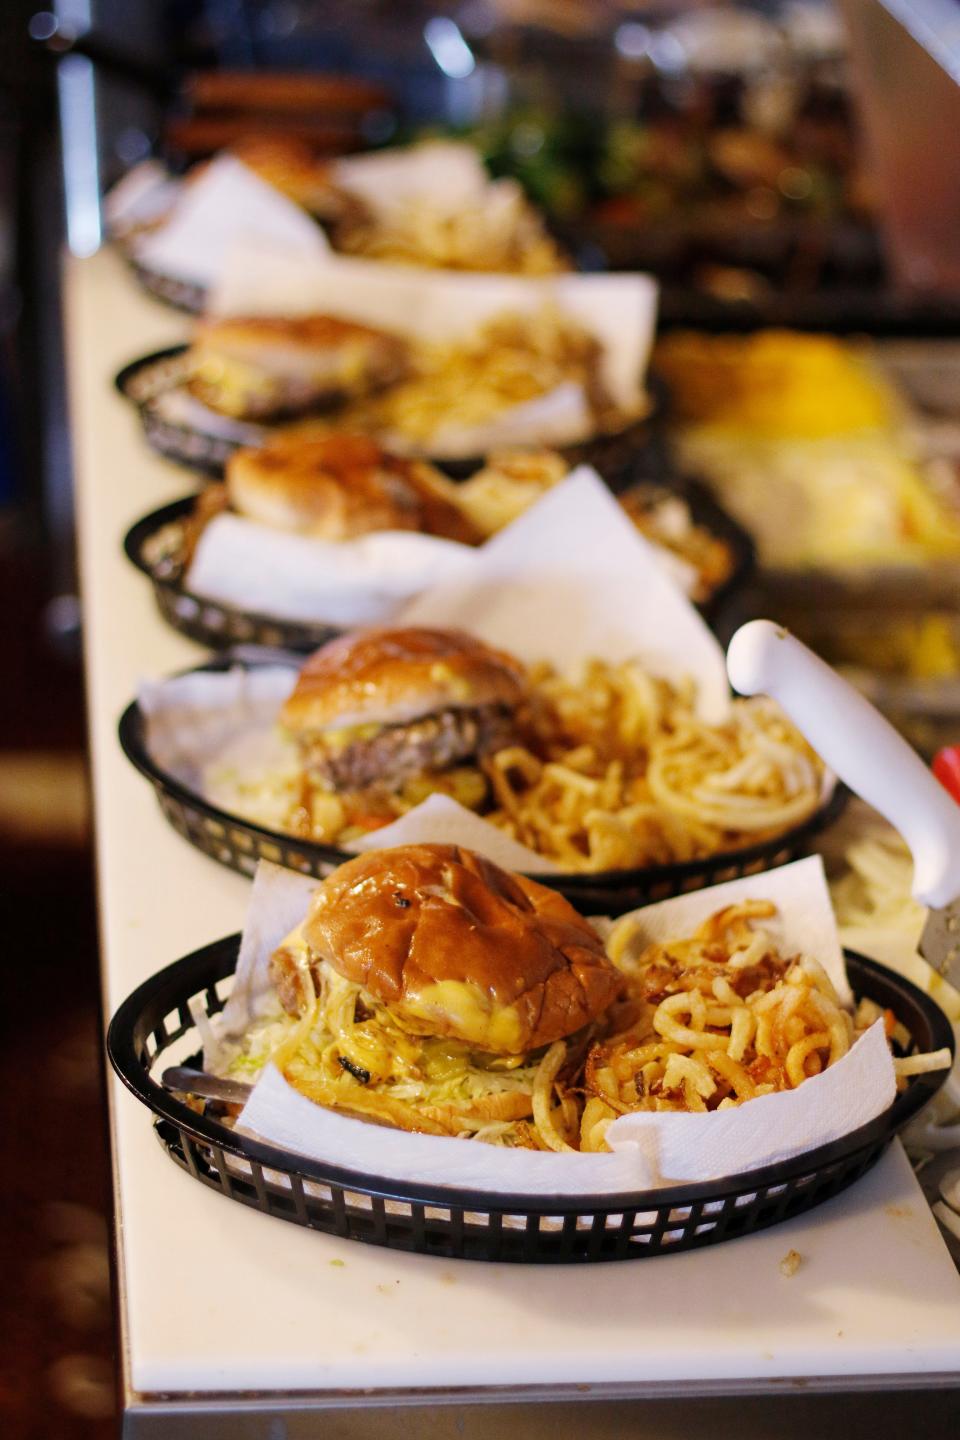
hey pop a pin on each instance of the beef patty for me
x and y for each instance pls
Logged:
(398, 752)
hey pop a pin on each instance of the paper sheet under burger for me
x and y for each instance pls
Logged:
(194, 223)
(437, 306)
(568, 581)
(363, 581)
(209, 215)
(650, 1149)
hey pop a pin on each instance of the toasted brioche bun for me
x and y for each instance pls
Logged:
(457, 947)
(390, 677)
(265, 367)
(341, 486)
(290, 166)
(256, 337)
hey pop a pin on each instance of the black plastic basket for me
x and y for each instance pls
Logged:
(241, 844)
(467, 1225)
(143, 381)
(153, 545)
(186, 295)
(210, 622)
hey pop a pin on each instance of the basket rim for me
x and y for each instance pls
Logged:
(655, 392)
(143, 530)
(131, 731)
(179, 293)
(704, 510)
(165, 985)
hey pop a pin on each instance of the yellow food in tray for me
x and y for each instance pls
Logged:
(804, 442)
(777, 383)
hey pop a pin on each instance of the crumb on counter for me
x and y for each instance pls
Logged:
(791, 1263)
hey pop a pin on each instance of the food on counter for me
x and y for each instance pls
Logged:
(429, 990)
(265, 367)
(775, 382)
(321, 374)
(510, 481)
(461, 384)
(292, 167)
(804, 442)
(333, 488)
(430, 204)
(617, 771)
(501, 232)
(917, 647)
(384, 718)
(723, 1017)
(605, 769)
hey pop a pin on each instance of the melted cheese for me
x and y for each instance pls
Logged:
(470, 1010)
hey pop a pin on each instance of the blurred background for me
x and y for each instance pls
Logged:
(790, 167)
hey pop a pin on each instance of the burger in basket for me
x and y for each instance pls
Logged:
(430, 988)
(604, 768)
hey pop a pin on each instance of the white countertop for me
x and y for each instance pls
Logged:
(216, 1297)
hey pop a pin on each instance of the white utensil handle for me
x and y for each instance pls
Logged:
(859, 746)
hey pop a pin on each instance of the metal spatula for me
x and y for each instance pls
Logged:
(874, 761)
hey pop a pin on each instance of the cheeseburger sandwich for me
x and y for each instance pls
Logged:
(336, 488)
(271, 367)
(383, 718)
(436, 992)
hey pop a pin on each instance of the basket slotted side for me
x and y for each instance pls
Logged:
(210, 622)
(458, 1224)
(187, 295)
(145, 379)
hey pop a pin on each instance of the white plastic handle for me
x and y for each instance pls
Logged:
(859, 746)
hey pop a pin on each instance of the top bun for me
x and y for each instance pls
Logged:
(291, 166)
(390, 677)
(262, 333)
(339, 486)
(457, 947)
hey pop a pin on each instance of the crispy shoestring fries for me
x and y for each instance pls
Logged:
(619, 772)
(722, 1019)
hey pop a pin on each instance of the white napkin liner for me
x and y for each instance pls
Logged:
(447, 174)
(145, 193)
(177, 406)
(356, 582)
(652, 1150)
(295, 577)
(571, 579)
(226, 204)
(434, 305)
(558, 418)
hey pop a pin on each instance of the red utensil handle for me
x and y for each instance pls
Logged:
(946, 767)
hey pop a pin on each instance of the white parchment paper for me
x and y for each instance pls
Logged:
(448, 175)
(226, 205)
(433, 305)
(294, 577)
(355, 582)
